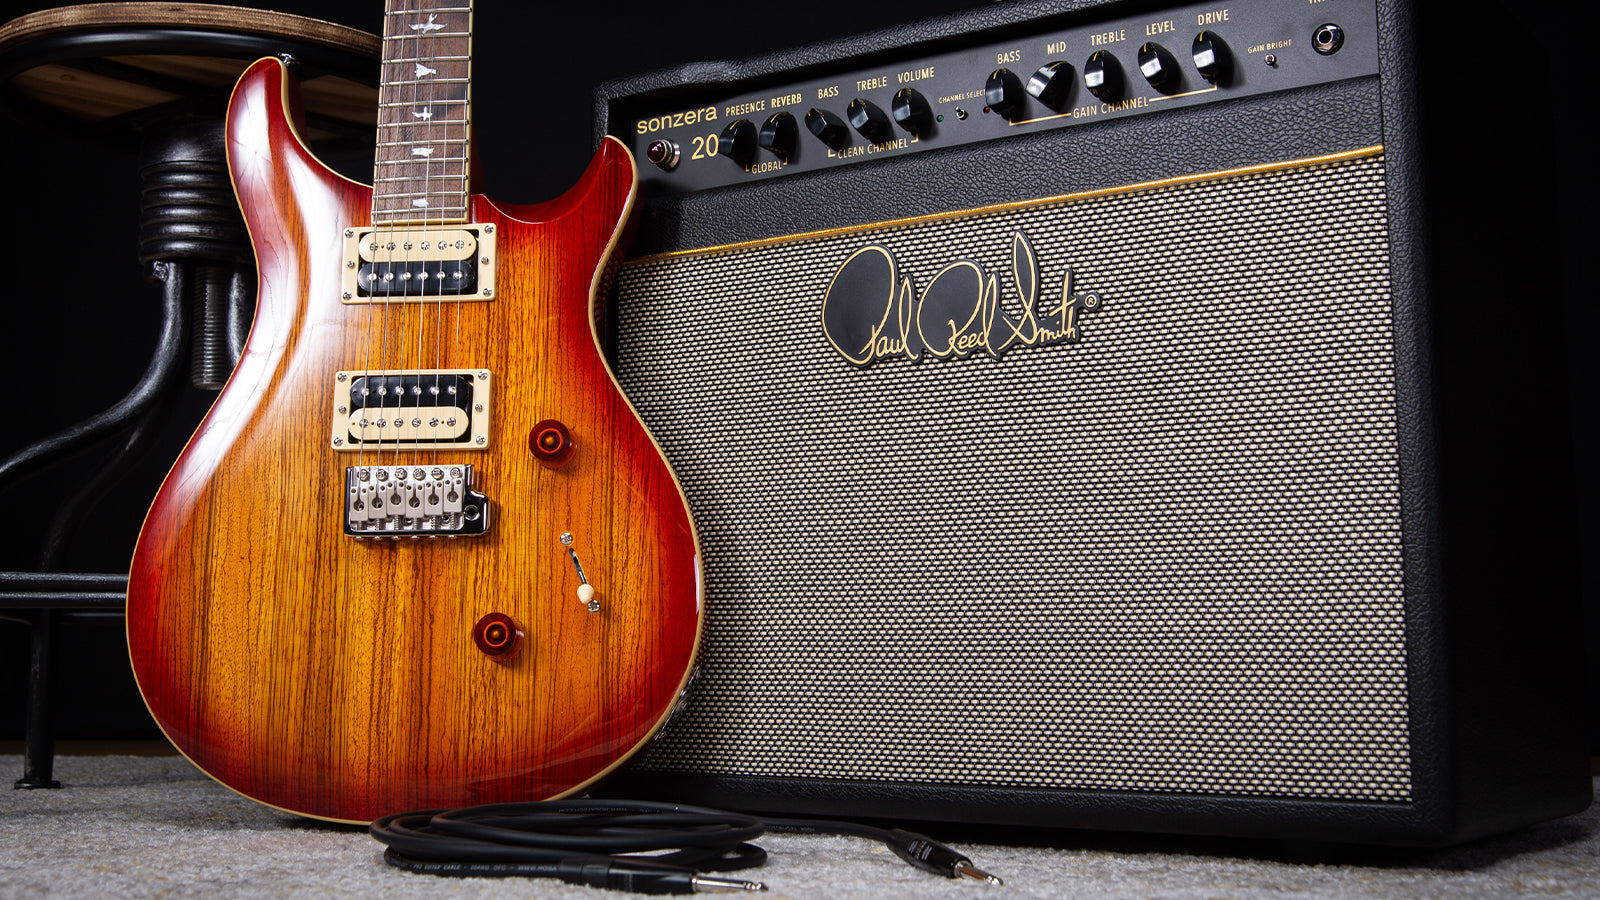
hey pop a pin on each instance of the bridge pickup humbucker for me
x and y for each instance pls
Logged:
(431, 408)
(410, 264)
(413, 501)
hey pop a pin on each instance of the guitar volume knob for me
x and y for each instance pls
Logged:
(551, 443)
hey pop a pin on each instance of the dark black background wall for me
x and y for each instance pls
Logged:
(77, 318)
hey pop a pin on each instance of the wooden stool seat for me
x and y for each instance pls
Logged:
(112, 68)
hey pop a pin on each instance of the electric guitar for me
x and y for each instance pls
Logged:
(421, 552)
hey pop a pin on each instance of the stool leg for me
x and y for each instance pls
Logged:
(38, 754)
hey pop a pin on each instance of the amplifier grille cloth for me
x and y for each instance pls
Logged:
(1164, 558)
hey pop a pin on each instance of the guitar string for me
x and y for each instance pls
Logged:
(382, 240)
(438, 322)
(418, 103)
(466, 167)
(427, 100)
(463, 178)
(437, 306)
(365, 377)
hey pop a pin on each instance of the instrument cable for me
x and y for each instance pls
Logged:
(648, 848)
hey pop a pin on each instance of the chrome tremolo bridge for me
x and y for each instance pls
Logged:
(413, 501)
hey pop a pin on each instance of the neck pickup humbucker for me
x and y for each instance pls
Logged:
(418, 263)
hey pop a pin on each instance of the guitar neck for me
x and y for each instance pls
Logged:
(424, 122)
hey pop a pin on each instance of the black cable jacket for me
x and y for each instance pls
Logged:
(639, 846)
(524, 833)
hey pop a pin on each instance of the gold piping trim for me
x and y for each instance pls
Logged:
(1343, 156)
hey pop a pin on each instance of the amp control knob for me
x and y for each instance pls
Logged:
(1051, 84)
(1003, 92)
(828, 127)
(780, 135)
(869, 119)
(738, 141)
(1103, 76)
(1211, 57)
(1159, 68)
(911, 110)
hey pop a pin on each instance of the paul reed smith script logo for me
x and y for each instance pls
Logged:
(871, 313)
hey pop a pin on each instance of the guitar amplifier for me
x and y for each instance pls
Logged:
(1108, 415)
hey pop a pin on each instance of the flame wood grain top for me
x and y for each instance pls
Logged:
(338, 677)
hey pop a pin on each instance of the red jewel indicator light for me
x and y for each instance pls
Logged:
(663, 153)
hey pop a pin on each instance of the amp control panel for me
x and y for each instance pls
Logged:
(1083, 72)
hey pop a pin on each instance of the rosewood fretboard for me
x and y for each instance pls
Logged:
(424, 133)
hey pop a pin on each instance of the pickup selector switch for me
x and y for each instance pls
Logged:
(780, 135)
(1102, 75)
(1051, 84)
(738, 141)
(1159, 68)
(1211, 57)
(828, 127)
(1003, 92)
(911, 111)
(869, 119)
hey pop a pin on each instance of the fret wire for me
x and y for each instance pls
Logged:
(449, 201)
(415, 59)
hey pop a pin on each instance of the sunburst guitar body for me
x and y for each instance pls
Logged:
(422, 552)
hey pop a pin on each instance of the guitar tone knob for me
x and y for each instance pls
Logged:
(498, 636)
